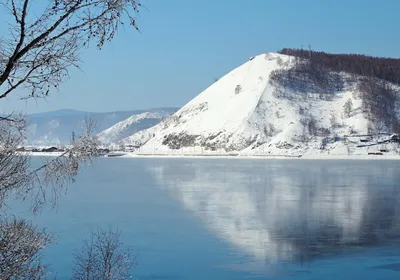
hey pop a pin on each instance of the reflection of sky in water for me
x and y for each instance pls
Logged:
(285, 211)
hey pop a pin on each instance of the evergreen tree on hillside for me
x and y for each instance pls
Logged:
(348, 107)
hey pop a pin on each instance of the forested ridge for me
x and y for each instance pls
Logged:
(378, 67)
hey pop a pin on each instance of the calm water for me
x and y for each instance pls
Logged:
(236, 219)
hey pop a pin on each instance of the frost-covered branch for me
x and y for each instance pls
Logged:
(46, 182)
(20, 250)
(103, 258)
(13, 164)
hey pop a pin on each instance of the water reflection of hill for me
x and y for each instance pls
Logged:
(289, 210)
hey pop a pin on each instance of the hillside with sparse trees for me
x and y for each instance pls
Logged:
(376, 80)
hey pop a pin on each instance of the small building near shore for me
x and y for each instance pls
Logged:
(50, 150)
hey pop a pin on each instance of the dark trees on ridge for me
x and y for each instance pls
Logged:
(377, 81)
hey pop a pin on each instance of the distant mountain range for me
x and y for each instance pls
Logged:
(56, 127)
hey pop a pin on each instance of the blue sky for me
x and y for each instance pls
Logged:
(185, 44)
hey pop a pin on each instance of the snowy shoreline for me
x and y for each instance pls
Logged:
(266, 157)
(222, 156)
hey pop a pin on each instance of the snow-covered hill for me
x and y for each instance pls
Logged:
(134, 123)
(56, 127)
(247, 113)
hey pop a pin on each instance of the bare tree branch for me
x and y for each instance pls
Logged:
(12, 86)
(42, 49)
(10, 118)
(16, 53)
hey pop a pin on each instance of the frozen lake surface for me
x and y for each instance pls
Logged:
(235, 219)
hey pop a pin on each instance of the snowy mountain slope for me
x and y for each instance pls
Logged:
(56, 127)
(131, 125)
(244, 112)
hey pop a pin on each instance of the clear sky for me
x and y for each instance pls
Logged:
(185, 44)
